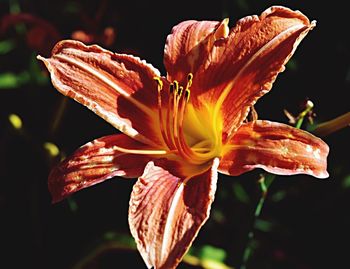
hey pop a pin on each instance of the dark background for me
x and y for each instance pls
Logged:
(304, 223)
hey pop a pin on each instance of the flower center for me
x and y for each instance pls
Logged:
(192, 134)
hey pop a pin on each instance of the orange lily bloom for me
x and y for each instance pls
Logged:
(179, 131)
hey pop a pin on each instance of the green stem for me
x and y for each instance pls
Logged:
(301, 116)
(265, 182)
(59, 114)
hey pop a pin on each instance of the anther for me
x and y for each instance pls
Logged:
(187, 95)
(171, 88)
(159, 82)
(181, 89)
(189, 80)
(176, 86)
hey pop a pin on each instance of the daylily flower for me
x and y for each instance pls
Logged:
(178, 131)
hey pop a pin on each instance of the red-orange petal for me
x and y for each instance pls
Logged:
(166, 213)
(277, 148)
(119, 88)
(242, 67)
(187, 48)
(95, 162)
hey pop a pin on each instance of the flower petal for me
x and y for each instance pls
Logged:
(277, 148)
(242, 67)
(119, 88)
(95, 162)
(188, 46)
(166, 213)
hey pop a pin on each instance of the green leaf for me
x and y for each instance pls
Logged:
(6, 46)
(73, 206)
(122, 239)
(278, 196)
(269, 178)
(11, 80)
(208, 252)
(263, 225)
(240, 193)
(292, 65)
(346, 182)
(218, 215)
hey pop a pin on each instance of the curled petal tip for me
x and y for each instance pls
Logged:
(226, 21)
(39, 57)
(223, 29)
(323, 175)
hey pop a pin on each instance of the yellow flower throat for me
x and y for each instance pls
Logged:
(193, 134)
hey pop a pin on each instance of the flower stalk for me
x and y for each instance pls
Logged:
(331, 126)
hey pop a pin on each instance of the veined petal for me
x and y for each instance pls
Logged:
(188, 46)
(243, 67)
(166, 213)
(117, 87)
(277, 148)
(95, 162)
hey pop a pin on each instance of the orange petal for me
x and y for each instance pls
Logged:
(242, 67)
(276, 148)
(117, 87)
(166, 213)
(187, 47)
(95, 162)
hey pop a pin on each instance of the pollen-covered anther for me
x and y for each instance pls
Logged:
(179, 93)
(176, 86)
(189, 80)
(159, 83)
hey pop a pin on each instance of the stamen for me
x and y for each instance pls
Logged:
(172, 126)
(159, 82)
(140, 151)
(160, 114)
(176, 86)
(187, 95)
(173, 88)
(183, 149)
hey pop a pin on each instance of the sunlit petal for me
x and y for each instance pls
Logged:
(119, 88)
(95, 162)
(242, 67)
(188, 47)
(166, 213)
(276, 148)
